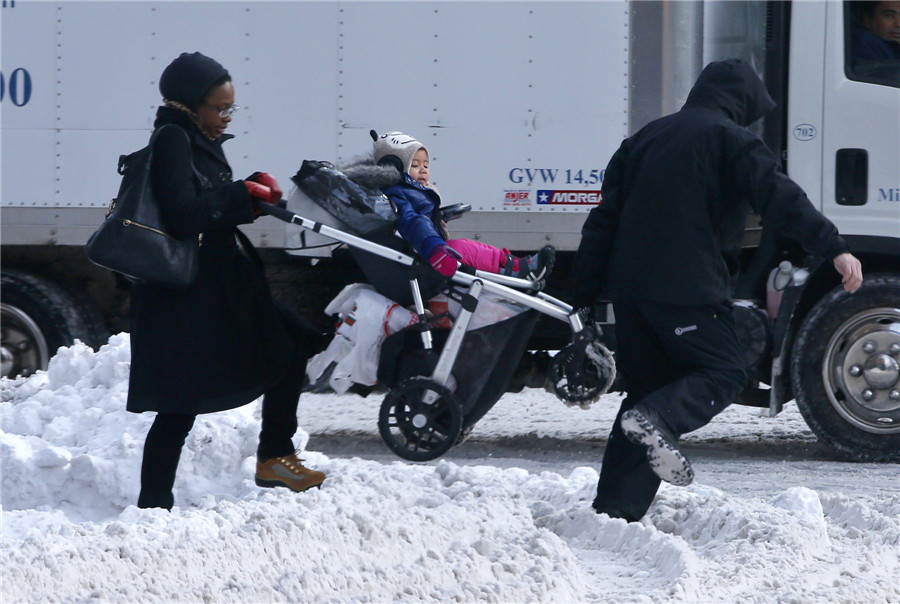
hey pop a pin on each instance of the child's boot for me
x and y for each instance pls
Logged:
(536, 267)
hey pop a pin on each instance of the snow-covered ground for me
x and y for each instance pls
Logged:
(458, 529)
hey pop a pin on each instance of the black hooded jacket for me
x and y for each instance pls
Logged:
(676, 197)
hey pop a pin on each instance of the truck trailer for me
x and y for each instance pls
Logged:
(521, 105)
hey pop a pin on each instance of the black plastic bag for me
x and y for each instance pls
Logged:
(363, 210)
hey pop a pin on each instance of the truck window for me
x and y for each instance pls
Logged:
(872, 41)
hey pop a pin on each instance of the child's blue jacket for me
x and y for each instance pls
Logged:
(417, 213)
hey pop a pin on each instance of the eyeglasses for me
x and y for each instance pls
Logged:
(223, 113)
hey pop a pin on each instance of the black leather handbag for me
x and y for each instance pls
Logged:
(133, 239)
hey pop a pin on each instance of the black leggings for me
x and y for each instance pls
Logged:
(166, 437)
(162, 450)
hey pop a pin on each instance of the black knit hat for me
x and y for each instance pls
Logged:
(188, 78)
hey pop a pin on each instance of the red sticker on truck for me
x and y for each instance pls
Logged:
(517, 198)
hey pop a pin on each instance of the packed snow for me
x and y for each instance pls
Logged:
(383, 530)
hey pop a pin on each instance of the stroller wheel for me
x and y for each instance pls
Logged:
(581, 373)
(464, 434)
(416, 428)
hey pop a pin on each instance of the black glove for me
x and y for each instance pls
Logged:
(585, 312)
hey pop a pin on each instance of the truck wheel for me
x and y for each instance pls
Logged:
(39, 316)
(845, 369)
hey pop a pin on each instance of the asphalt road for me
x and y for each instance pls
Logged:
(762, 469)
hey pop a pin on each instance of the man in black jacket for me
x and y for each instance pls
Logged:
(663, 245)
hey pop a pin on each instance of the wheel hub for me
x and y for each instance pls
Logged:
(881, 371)
(862, 370)
(24, 348)
(7, 361)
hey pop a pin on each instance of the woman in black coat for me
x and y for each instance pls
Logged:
(219, 343)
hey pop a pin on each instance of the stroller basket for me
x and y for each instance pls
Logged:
(483, 369)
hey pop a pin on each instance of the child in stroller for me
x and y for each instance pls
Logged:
(419, 218)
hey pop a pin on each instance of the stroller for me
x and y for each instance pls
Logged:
(442, 381)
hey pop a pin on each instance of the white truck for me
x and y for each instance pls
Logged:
(521, 105)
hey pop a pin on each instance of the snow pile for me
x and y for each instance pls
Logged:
(388, 531)
(68, 443)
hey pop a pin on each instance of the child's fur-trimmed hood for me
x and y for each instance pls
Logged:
(365, 173)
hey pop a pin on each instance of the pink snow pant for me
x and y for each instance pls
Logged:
(480, 256)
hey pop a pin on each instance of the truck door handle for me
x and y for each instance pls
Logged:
(851, 177)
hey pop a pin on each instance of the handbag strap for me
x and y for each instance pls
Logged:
(125, 160)
(205, 183)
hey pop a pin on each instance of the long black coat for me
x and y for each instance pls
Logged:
(219, 343)
(676, 195)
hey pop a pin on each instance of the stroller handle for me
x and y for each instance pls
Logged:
(504, 286)
(277, 210)
(323, 229)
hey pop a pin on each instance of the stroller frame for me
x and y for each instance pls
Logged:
(421, 419)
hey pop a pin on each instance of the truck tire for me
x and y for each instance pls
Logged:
(845, 370)
(39, 316)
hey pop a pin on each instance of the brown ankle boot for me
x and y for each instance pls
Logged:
(287, 472)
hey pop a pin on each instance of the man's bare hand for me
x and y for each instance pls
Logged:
(851, 271)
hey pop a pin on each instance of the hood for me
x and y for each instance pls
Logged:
(364, 172)
(733, 87)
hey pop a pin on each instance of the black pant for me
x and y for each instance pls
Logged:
(682, 361)
(166, 437)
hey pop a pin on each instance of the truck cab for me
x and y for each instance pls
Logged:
(835, 354)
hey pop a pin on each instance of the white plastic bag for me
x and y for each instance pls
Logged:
(367, 318)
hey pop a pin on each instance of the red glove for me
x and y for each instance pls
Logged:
(266, 179)
(443, 260)
(257, 192)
